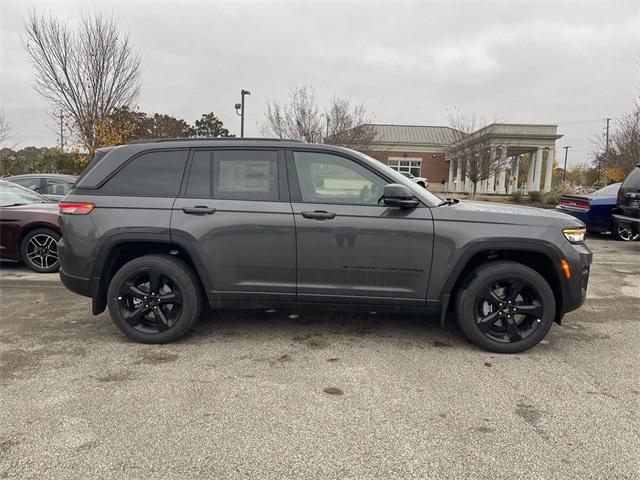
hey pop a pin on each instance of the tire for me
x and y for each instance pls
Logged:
(490, 321)
(155, 299)
(624, 232)
(39, 250)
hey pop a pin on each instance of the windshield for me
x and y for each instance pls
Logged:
(12, 194)
(608, 191)
(429, 198)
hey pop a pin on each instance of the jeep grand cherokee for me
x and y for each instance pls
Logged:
(152, 230)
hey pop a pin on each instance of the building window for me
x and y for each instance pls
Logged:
(408, 165)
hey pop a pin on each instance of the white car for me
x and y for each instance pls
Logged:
(423, 182)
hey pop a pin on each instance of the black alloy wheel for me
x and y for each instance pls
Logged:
(505, 307)
(150, 301)
(508, 310)
(155, 298)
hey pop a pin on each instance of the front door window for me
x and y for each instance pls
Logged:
(327, 178)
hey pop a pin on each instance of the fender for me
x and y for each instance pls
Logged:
(486, 245)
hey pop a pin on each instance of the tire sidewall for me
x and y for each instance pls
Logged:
(493, 273)
(178, 272)
(23, 250)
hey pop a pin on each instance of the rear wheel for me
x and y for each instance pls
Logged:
(39, 250)
(155, 299)
(506, 307)
(624, 231)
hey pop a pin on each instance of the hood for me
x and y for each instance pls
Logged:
(490, 212)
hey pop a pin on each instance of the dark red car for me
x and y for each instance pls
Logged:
(29, 230)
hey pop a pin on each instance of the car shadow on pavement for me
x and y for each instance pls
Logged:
(263, 325)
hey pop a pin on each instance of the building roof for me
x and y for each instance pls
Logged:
(415, 134)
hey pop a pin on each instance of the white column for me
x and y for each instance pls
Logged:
(531, 170)
(492, 179)
(549, 171)
(509, 182)
(538, 172)
(458, 175)
(468, 186)
(502, 171)
(500, 185)
(450, 184)
(515, 173)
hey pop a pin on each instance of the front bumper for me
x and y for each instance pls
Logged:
(575, 290)
(627, 219)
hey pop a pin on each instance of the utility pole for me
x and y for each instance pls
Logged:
(564, 172)
(240, 106)
(606, 149)
(328, 124)
(61, 133)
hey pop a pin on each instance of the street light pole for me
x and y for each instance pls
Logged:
(564, 172)
(240, 106)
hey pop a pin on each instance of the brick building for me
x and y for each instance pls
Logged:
(414, 148)
(421, 150)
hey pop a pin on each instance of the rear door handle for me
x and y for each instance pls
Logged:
(199, 210)
(319, 215)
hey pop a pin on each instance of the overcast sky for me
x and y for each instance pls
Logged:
(566, 63)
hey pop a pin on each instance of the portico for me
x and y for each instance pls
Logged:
(497, 150)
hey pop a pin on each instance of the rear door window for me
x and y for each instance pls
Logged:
(245, 175)
(151, 174)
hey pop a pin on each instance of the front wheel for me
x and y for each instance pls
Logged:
(506, 307)
(624, 231)
(155, 299)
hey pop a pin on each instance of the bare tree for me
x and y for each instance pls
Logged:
(299, 119)
(4, 126)
(86, 73)
(341, 123)
(477, 160)
(625, 141)
(614, 161)
(349, 126)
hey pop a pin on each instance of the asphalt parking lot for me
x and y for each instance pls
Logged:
(245, 395)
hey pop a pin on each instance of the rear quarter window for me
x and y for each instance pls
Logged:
(150, 174)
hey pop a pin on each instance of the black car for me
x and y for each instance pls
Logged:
(154, 230)
(54, 186)
(626, 215)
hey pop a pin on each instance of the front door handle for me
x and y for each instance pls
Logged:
(319, 215)
(199, 210)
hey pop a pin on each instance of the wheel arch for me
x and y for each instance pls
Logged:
(121, 250)
(543, 257)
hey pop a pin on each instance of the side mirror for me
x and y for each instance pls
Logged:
(397, 195)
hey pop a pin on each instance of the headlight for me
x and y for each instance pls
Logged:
(575, 235)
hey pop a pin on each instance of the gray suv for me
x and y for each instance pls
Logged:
(153, 230)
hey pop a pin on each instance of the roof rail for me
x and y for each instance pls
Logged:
(204, 139)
